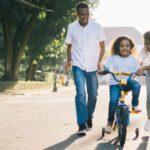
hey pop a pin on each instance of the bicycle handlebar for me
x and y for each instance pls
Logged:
(114, 74)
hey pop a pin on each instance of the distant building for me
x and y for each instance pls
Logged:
(113, 32)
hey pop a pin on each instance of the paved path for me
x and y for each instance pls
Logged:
(46, 121)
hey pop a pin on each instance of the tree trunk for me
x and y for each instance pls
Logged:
(31, 71)
(8, 45)
(24, 40)
(15, 45)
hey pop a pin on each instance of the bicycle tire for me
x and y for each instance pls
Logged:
(122, 126)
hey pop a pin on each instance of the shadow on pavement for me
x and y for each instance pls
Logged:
(64, 144)
(110, 145)
(143, 145)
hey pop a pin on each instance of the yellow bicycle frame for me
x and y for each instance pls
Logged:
(122, 83)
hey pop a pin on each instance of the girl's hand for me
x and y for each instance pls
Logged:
(134, 75)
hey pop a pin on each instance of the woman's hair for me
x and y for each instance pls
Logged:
(147, 35)
(115, 50)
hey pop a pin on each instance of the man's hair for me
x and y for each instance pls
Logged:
(147, 36)
(81, 5)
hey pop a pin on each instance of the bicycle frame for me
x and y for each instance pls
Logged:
(122, 113)
(121, 102)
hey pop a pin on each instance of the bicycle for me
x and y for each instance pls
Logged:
(122, 114)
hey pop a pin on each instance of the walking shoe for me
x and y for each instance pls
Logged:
(82, 130)
(108, 128)
(89, 124)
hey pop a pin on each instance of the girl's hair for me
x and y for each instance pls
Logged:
(116, 45)
(147, 35)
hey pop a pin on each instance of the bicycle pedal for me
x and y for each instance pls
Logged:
(134, 112)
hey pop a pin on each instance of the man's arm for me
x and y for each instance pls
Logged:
(101, 55)
(68, 65)
(69, 52)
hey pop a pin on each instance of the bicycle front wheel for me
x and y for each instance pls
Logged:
(122, 126)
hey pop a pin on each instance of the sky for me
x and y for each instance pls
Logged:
(123, 13)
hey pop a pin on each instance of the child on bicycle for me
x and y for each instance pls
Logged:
(144, 60)
(122, 60)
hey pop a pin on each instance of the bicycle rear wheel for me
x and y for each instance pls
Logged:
(122, 126)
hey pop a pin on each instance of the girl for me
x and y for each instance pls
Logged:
(144, 60)
(122, 61)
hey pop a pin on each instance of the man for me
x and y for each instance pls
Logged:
(85, 49)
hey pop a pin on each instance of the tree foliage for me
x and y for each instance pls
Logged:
(26, 32)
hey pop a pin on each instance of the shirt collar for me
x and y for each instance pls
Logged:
(89, 22)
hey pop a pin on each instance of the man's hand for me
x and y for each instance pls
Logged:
(99, 67)
(103, 72)
(68, 66)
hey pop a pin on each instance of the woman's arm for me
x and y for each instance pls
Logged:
(146, 67)
(142, 69)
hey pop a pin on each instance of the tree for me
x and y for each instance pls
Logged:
(30, 28)
(18, 22)
(51, 28)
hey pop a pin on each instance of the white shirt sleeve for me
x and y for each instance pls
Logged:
(101, 35)
(136, 65)
(68, 39)
(108, 63)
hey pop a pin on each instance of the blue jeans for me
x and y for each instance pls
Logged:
(85, 109)
(115, 93)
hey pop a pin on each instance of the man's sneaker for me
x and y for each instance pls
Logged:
(82, 130)
(136, 109)
(108, 128)
(89, 124)
(147, 126)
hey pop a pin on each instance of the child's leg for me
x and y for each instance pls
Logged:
(135, 87)
(114, 98)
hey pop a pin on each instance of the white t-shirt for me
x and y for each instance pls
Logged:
(85, 44)
(121, 64)
(144, 57)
